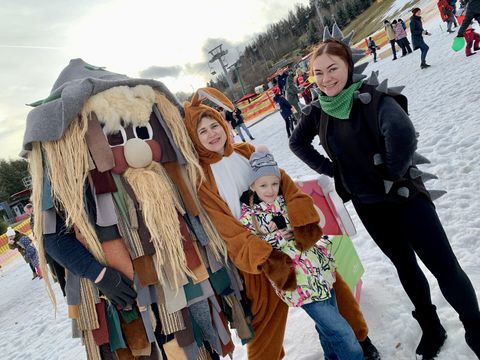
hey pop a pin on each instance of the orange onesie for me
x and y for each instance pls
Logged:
(248, 252)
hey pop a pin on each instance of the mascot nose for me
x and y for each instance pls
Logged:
(137, 153)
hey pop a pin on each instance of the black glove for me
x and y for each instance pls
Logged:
(117, 288)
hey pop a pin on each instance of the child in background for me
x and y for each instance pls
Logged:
(264, 213)
(471, 38)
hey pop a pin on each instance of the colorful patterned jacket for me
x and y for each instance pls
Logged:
(314, 268)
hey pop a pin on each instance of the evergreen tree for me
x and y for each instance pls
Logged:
(11, 174)
(341, 17)
(313, 36)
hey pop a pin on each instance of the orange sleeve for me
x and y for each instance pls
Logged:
(299, 205)
(247, 251)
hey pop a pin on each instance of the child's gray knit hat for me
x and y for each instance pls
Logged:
(262, 164)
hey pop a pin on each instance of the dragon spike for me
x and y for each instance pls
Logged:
(427, 176)
(358, 77)
(356, 57)
(383, 87)
(306, 109)
(388, 185)
(336, 32)
(326, 34)
(436, 194)
(360, 68)
(355, 94)
(395, 90)
(348, 39)
(373, 79)
(365, 98)
(419, 159)
(403, 191)
(377, 159)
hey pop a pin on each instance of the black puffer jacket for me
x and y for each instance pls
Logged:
(472, 12)
(352, 144)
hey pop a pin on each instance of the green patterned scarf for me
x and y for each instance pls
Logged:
(340, 105)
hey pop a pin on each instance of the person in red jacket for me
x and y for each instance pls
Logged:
(447, 14)
(471, 38)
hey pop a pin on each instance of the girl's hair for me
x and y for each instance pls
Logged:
(394, 22)
(337, 48)
(256, 224)
(415, 10)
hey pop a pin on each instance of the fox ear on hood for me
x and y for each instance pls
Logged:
(215, 96)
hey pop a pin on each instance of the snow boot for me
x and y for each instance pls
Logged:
(472, 335)
(424, 65)
(433, 333)
(370, 352)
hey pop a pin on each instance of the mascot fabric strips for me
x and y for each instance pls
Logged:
(114, 192)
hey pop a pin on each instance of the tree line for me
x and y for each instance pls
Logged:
(286, 40)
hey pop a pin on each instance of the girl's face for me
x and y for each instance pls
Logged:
(211, 135)
(331, 73)
(266, 188)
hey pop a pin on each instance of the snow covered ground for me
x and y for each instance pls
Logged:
(444, 105)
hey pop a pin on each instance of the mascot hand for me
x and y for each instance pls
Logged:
(117, 288)
(279, 269)
(458, 43)
(306, 236)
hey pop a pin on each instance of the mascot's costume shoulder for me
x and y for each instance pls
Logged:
(114, 177)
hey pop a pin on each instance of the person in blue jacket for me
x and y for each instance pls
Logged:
(416, 28)
(285, 110)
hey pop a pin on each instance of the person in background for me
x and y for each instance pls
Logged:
(416, 28)
(447, 13)
(291, 94)
(57, 270)
(472, 11)
(301, 80)
(373, 48)
(370, 148)
(264, 213)
(23, 244)
(472, 39)
(240, 124)
(285, 110)
(403, 25)
(391, 37)
(401, 38)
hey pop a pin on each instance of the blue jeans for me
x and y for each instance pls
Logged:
(424, 49)
(336, 336)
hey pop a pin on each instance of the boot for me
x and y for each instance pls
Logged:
(472, 335)
(424, 65)
(433, 333)
(370, 352)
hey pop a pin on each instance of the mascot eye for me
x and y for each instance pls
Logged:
(118, 138)
(143, 132)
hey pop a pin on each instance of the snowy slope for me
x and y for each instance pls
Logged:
(444, 103)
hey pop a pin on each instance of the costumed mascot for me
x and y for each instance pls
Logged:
(113, 173)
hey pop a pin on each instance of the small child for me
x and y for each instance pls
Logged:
(373, 48)
(471, 38)
(264, 213)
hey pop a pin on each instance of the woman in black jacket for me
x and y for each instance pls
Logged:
(371, 142)
(416, 28)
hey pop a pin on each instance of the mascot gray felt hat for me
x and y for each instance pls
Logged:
(76, 83)
(262, 164)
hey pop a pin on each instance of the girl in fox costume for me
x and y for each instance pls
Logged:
(227, 170)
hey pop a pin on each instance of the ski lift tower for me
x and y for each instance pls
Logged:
(217, 55)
